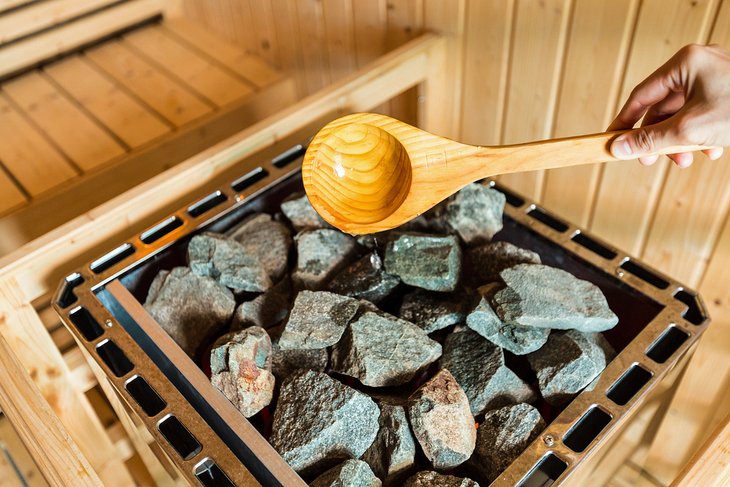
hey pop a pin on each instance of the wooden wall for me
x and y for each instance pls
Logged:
(530, 69)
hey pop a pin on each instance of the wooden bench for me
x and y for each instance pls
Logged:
(97, 96)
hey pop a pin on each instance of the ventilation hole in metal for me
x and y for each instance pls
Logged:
(160, 230)
(645, 274)
(545, 473)
(548, 220)
(86, 324)
(249, 179)
(210, 475)
(628, 384)
(694, 313)
(289, 156)
(586, 429)
(109, 259)
(67, 297)
(150, 402)
(179, 437)
(669, 342)
(114, 358)
(206, 204)
(594, 246)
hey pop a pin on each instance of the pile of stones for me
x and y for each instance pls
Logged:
(386, 359)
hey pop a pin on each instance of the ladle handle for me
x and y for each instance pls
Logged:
(570, 151)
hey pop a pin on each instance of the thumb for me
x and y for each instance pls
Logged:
(644, 140)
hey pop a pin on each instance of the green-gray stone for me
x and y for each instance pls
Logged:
(428, 262)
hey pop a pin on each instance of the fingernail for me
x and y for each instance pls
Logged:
(620, 148)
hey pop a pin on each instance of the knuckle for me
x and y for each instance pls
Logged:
(644, 141)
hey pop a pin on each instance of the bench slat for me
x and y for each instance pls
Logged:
(10, 196)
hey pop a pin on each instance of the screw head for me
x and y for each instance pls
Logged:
(548, 440)
(619, 272)
(108, 323)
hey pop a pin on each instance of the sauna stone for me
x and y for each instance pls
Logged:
(479, 368)
(475, 213)
(365, 279)
(428, 262)
(569, 362)
(302, 214)
(432, 311)
(393, 452)
(430, 478)
(382, 350)
(317, 320)
(228, 262)
(320, 422)
(321, 254)
(266, 310)
(442, 421)
(519, 340)
(483, 264)
(266, 240)
(285, 362)
(192, 309)
(350, 473)
(502, 436)
(545, 297)
(240, 365)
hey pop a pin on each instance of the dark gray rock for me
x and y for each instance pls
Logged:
(429, 478)
(302, 214)
(382, 350)
(365, 279)
(319, 422)
(433, 311)
(428, 262)
(240, 365)
(519, 340)
(192, 309)
(228, 262)
(483, 264)
(569, 362)
(266, 240)
(475, 213)
(479, 368)
(351, 473)
(317, 320)
(546, 297)
(266, 310)
(285, 362)
(392, 454)
(321, 254)
(503, 436)
(442, 422)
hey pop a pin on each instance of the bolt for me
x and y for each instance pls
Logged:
(619, 272)
(108, 323)
(548, 440)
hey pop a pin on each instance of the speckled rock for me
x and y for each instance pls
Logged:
(428, 262)
(392, 454)
(519, 340)
(502, 436)
(483, 264)
(382, 350)
(569, 362)
(266, 310)
(227, 261)
(317, 320)
(442, 421)
(320, 422)
(479, 368)
(321, 254)
(546, 297)
(240, 365)
(192, 309)
(475, 213)
(285, 362)
(266, 240)
(429, 478)
(365, 279)
(302, 214)
(433, 311)
(351, 473)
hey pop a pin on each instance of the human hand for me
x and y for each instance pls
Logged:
(684, 102)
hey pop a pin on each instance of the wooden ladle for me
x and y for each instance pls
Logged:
(365, 173)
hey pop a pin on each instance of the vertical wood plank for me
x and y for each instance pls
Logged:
(596, 54)
(262, 14)
(313, 38)
(404, 21)
(486, 63)
(370, 35)
(536, 63)
(72, 130)
(124, 116)
(27, 155)
(628, 192)
(340, 39)
(290, 48)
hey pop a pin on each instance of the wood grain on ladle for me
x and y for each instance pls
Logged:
(366, 173)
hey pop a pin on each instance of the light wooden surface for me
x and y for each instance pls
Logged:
(710, 467)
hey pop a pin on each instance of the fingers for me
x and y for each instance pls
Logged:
(643, 141)
(713, 154)
(664, 109)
